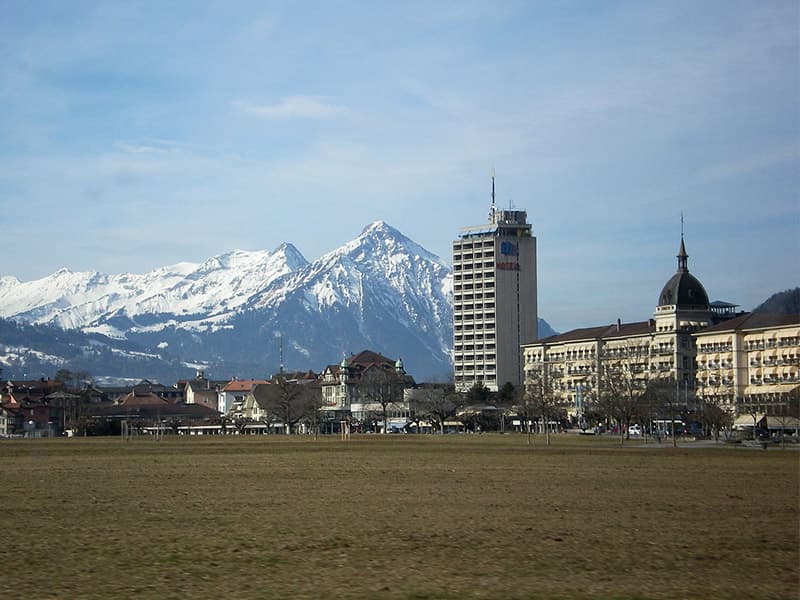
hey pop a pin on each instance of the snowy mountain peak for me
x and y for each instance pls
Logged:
(382, 245)
(215, 288)
(380, 290)
(8, 280)
(380, 226)
(291, 255)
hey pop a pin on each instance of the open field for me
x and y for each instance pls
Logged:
(396, 517)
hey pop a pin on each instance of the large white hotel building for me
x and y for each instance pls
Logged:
(494, 299)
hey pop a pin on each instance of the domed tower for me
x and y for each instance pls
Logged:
(683, 308)
(683, 291)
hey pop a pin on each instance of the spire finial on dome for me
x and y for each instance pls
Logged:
(683, 257)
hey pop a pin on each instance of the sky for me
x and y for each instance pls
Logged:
(135, 135)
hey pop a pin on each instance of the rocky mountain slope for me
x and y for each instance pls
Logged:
(236, 312)
(245, 313)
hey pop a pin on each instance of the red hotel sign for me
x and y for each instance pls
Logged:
(507, 266)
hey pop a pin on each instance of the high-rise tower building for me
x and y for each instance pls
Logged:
(494, 299)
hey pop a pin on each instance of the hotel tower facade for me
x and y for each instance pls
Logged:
(494, 299)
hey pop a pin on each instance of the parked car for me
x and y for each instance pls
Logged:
(635, 430)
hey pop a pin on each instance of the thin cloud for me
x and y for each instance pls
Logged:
(293, 107)
(148, 146)
(745, 166)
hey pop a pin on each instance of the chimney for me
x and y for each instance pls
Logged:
(619, 325)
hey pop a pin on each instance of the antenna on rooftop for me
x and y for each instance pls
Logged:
(681, 225)
(280, 368)
(492, 207)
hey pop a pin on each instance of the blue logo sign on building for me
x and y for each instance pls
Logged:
(508, 249)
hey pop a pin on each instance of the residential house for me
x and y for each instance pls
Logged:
(201, 390)
(231, 397)
(30, 410)
(357, 388)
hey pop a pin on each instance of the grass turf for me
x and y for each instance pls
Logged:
(396, 517)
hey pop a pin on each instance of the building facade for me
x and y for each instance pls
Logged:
(356, 388)
(201, 390)
(232, 396)
(661, 348)
(494, 299)
(751, 363)
(572, 363)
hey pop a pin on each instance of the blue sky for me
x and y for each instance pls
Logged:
(139, 134)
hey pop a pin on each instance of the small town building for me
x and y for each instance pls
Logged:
(232, 396)
(204, 391)
(357, 389)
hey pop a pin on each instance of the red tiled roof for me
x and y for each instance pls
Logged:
(242, 385)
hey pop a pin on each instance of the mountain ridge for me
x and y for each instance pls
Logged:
(381, 291)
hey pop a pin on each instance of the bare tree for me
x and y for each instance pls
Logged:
(540, 399)
(714, 418)
(436, 404)
(286, 400)
(526, 407)
(787, 415)
(622, 383)
(746, 406)
(381, 387)
(313, 404)
(665, 395)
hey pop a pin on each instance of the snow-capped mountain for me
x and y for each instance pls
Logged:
(246, 313)
(380, 291)
(185, 293)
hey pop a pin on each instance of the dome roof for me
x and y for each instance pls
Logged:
(683, 290)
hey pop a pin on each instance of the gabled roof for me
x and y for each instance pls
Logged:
(142, 399)
(304, 376)
(368, 357)
(242, 385)
(205, 385)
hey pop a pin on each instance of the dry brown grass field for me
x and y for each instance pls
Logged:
(395, 517)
